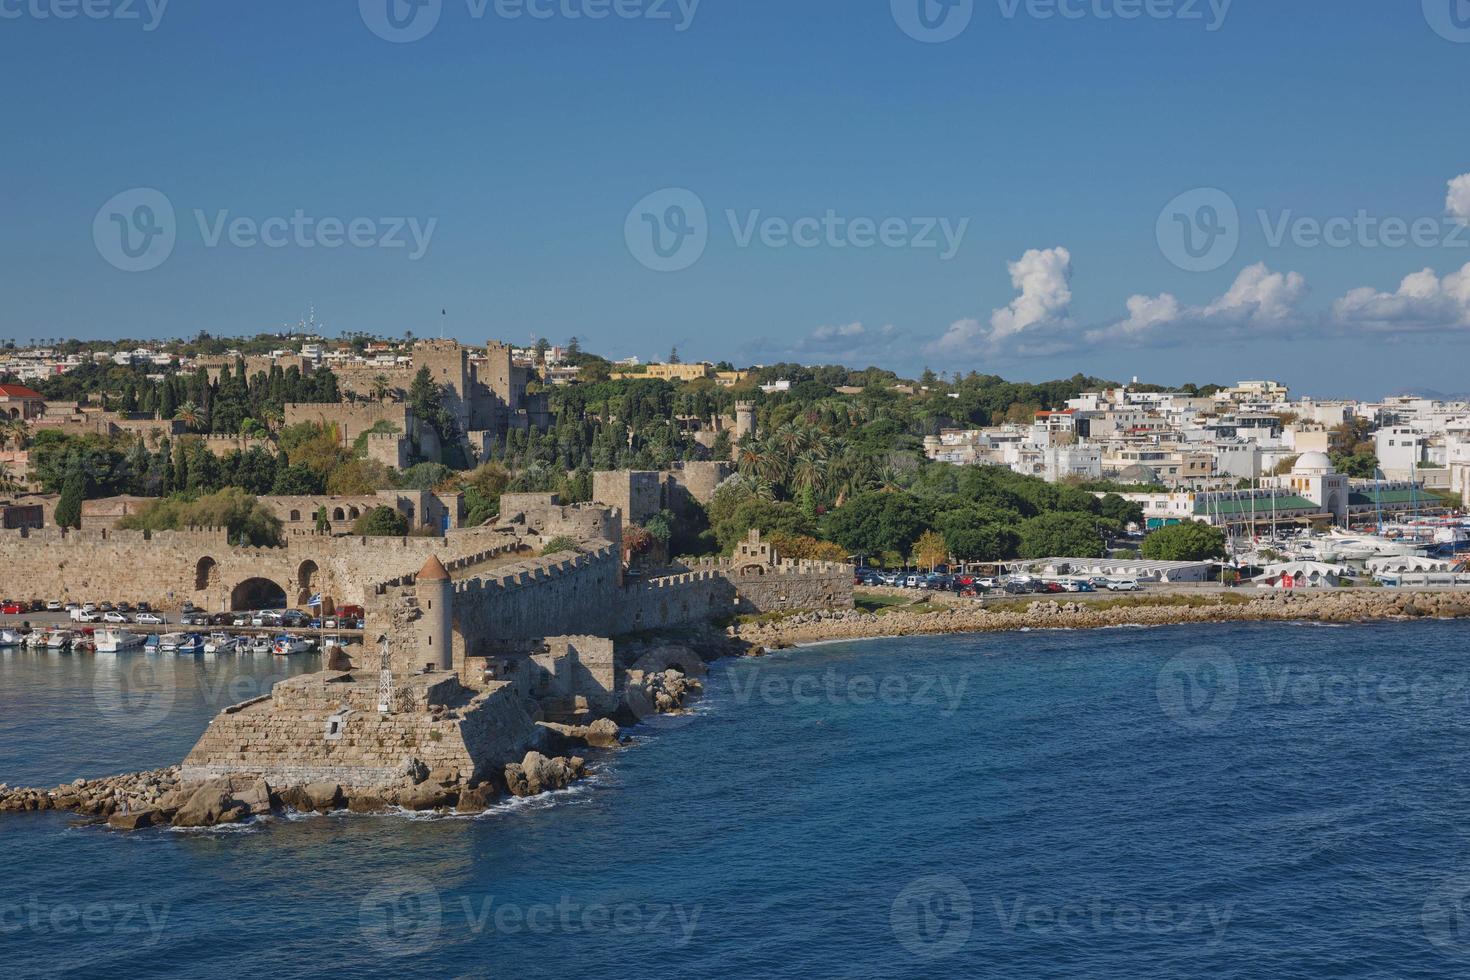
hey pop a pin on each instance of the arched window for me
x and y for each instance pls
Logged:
(295, 516)
(339, 515)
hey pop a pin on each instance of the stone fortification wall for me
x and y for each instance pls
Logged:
(326, 728)
(353, 419)
(170, 567)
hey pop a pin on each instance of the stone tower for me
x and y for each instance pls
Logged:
(436, 601)
(744, 420)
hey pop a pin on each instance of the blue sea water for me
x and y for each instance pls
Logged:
(1241, 801)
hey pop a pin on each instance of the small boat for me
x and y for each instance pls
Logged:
(169, 642)
(260, 643)
(117, 641)
(285, 646)
(11, 638)
(34, 639)
(150, 645)
(59, 639)
(191, 645)
(221, 643)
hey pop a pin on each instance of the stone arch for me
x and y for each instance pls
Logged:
(15, 413)
(296, 517)
(306, 581)
(257, 593)
(353, 513)
(339, 514)
(206, 574)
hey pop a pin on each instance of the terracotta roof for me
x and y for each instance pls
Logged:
(433, 571)
(19, 391)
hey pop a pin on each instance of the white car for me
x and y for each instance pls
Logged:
(84, 616)
(115, 617)
(1124, 585)
(150, 619)
(90, 607)
(53, 606)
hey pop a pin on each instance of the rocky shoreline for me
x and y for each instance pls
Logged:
(156, 798)
(934, 615)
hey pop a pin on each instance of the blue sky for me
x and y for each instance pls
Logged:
(1053, 142)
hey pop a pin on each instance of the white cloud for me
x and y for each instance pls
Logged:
(1033, 321)
(1043, 278)
(1457, 204)
(1257, 298)
(846, 330)
(1423, 301)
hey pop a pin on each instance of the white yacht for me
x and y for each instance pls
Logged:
(11, 638)
(117, 641)
(60, 639)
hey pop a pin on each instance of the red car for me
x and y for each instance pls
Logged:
(11, 609)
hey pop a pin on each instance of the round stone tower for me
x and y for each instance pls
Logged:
(436, 601)
(744, 420)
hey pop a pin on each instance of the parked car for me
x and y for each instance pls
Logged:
(194, 619)
(11, 609)
(1124, 585)
(124, 607)
(106, 607)
(150, 619)
(1052, 588)
(115, 617)
(188, 607)
(1016, 588)
(84, 616)
(240, 619)
(37, 605)
(144, 607)
(54, 605)
(221, 619)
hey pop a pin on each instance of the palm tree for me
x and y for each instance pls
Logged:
(380, 387)
(808, 473)
(8, 483)
(190, 415)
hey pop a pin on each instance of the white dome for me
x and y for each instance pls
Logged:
(1313, 464)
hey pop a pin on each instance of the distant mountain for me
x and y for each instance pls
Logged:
(1429, 393)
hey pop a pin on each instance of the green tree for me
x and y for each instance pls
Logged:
(323, 525)
(1062, 535)
(73, 492)
(1191, 541)
(381, 522)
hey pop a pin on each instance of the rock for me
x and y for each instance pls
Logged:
(414, 770)
(366, 803)
(223, 801)
(323, 797)
(603, 734)
(447, 776)
(136, 820)
(294, 798)
(477, 800)
(427, 796)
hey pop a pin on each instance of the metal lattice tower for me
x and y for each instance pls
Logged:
(385, 677)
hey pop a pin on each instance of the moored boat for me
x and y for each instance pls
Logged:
(285, 646)
(117, 641)
(191, 644)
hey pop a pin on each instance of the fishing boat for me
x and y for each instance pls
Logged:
(150, 645)
(169, 642)
(59, 639)
(11, 638)
(285, 646)
(34, 639)
(117, 641)
(260, 643)
(222, 643)
(191, 645)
